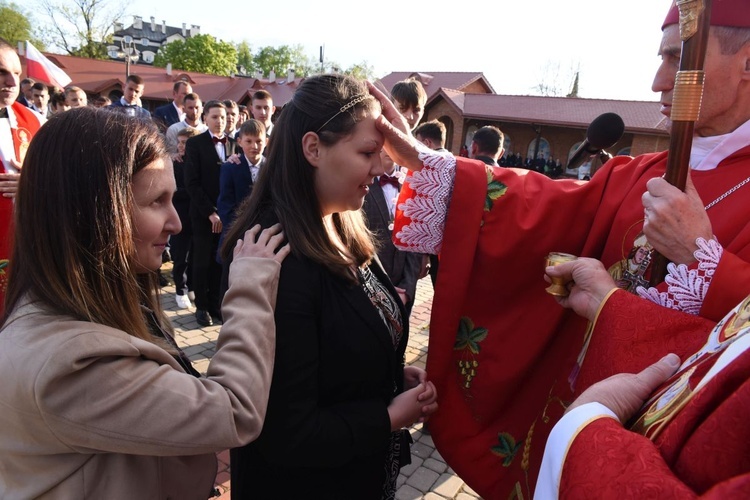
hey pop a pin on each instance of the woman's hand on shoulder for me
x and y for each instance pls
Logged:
(267, 245)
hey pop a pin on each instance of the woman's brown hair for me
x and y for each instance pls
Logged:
(73, 250)
(285, 184)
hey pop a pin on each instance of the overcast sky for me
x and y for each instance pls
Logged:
(517, 44)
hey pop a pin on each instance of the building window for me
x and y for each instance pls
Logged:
(445, 120)
(583, 171)
(573, 149)
(507, 144)
(470, 135)
(148, 56)
(543, 148)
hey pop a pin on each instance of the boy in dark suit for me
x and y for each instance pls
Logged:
(129, 103)
(237, 179)
(181, 243)
(403, 268)
(204, 155)
(173, 112)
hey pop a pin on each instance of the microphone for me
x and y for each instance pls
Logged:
(603, 133)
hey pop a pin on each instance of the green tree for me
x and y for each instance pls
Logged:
(281, 59)
(82, 27)
(245, 59)
(362, 71)
(200, 53)
(15, 25)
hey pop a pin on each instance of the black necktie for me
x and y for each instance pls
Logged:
(3, 112)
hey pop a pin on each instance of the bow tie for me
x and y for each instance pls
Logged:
(223, 140)
(386, 179)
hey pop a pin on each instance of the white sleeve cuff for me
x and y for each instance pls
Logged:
(558, 443)
(428, 208)
(687, 288)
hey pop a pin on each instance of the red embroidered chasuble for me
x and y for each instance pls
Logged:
(501, 349)
(688, 442)
(27, 126)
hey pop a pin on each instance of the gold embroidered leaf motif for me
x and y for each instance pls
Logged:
(467, 342)
(495, 189)
(506, 448)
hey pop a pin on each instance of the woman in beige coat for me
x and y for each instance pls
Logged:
(96, 399)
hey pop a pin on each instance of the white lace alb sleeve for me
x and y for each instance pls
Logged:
(687, 288)
(427, 209)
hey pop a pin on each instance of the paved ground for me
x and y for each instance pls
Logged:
(428, 477)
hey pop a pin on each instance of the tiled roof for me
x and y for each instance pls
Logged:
(434, 81)
(639, 116)
(95, 76)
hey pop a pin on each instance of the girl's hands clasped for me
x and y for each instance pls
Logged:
(416, 403)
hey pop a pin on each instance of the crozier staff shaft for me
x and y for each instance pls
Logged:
(695, 21)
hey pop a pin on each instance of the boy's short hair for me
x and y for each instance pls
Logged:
(213, 104)
(57, 99)
(260, 95)
(178, 84)
(489, 139)
(187, 132)
(228, 103)
(39, 86)
(433, 130)
(72, 90)
(135, 79)
(409, 92)
(102, 100)
(252, 127)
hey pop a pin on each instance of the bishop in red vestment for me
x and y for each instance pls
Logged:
(502, 354)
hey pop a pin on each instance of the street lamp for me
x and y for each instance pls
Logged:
(129, 52)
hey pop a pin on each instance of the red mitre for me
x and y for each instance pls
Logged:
(733, 13)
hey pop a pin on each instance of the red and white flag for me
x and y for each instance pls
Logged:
(41, 68)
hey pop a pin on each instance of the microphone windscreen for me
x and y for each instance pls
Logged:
(605, 131)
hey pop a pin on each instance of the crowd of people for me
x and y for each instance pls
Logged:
(102, 360)
(549, 167)
(308, 384)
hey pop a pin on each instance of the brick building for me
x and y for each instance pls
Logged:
(533, 125)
